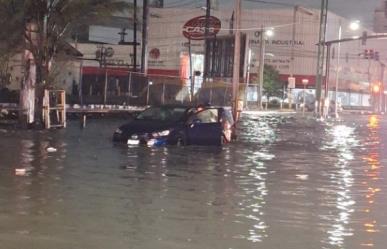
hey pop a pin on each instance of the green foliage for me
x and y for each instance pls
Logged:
(271, 82)
(53, 19)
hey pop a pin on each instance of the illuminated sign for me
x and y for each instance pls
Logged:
(195, 28)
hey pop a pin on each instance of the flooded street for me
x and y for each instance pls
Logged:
(288, 182)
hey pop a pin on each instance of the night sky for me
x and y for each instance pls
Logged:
(362, 10)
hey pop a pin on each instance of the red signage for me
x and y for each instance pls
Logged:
(154, 53)
(195, 28)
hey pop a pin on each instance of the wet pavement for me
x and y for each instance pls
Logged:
(289, 182)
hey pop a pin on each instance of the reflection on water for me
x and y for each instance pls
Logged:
(289, 182)
(371, 183)
(342, 179)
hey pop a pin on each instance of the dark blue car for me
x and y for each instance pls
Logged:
(178, 125)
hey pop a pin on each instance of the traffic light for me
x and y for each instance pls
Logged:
(376, 56)
(372, 54)
(366, 54)
(375, 87)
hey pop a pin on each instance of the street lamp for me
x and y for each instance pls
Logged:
(269, 32)
(304, 82)
(354, 25)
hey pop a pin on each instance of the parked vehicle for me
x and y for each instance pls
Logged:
(178, 125)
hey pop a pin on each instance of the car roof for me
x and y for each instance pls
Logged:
(173, 106)
(190, 106)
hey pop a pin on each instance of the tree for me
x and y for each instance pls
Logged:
(40, 27)
(271, 82)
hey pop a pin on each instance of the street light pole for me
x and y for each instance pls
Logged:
(353, 26)
(237, 51)
(144, 48)
(321, 52)
(338, 69)
(135, 36)
(261, 67)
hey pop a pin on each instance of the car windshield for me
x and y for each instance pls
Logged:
(162, 113)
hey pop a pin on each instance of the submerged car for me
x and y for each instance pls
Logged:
(178, 125)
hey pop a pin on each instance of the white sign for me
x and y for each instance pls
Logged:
(291, 82)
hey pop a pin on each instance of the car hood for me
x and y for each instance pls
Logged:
(145, 126)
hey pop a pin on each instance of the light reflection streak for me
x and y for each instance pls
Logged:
(252, 207)
(372, 174)
(343, 141)
(255, 186)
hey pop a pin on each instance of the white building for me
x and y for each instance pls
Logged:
(380, 18)
(168, 50)
(355, 72)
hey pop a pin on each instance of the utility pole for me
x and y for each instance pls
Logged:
(338, 69)
(206, 42)
(144, 52)
(327, 74)
(261, 66)
(135, 36)
(321, 52)
(237, 51)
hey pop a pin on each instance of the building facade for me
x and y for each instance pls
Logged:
(176, 51)
(380, 18)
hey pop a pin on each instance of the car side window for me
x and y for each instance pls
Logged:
(205, 116)
(228, 116)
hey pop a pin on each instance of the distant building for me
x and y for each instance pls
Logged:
(380, 18)
(176, 45)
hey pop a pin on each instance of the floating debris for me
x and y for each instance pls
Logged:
(302, 177)
(20, 172)
(51, 149)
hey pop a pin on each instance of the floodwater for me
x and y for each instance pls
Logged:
(289, 182)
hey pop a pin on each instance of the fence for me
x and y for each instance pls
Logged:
(111, 86)
(118, 87)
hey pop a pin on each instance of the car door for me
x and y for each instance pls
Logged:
(204, 128)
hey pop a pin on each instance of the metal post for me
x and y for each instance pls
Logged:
(144, 48)
(321, 52)
(247, 78)
(261, 67)
(147, 94)
(129, 87)
(236, 66)
(225, 95)
(163, 95)
(381, 90)
(105, 87)
(303, 100)
(210, 97)
(135, 36)
(328, 66)
(290, 99)
(337, 70)
(206, 46)
(80, 90)
(190, 70)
